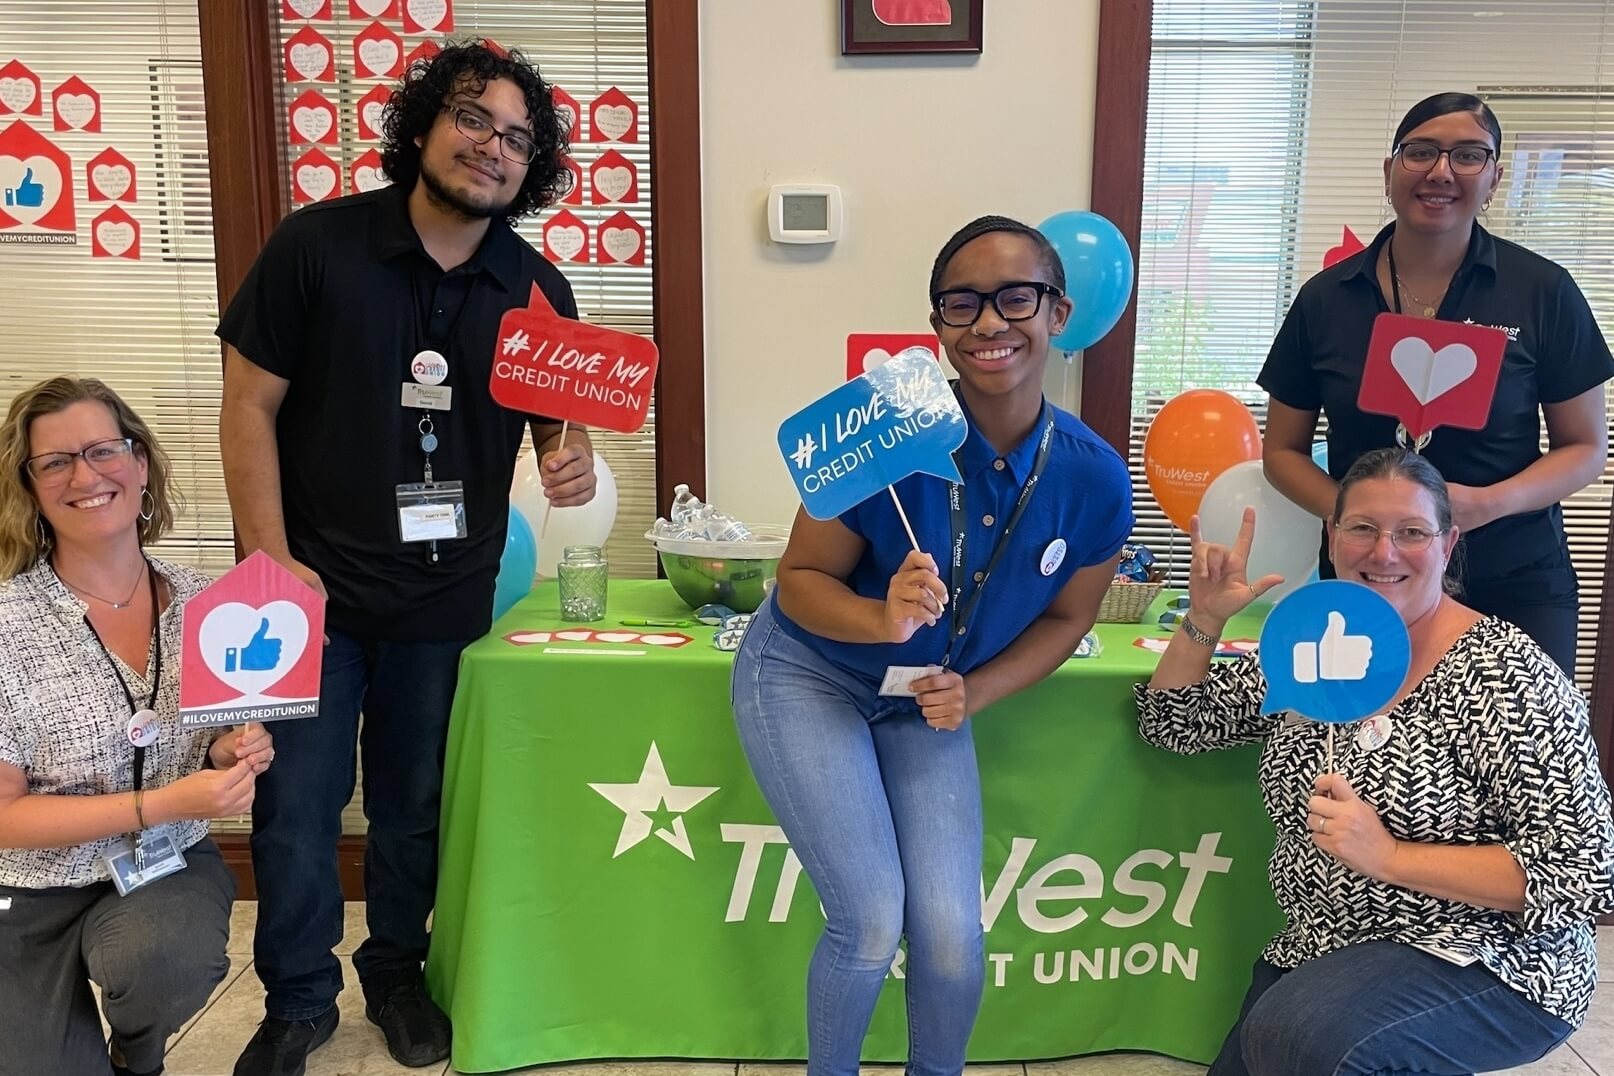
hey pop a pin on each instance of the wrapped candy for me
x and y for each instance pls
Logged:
(1138, 565)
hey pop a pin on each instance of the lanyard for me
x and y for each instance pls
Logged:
(156, 680)
(964, 609)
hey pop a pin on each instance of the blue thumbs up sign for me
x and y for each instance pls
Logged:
(262, 653)
(29, 194)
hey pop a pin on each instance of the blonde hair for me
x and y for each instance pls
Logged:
(25, 535)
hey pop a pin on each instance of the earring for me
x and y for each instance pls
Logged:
(147, 498)
(1485, 207)
(39, 527)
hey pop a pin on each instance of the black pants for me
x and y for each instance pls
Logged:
(406, 691)
(156, 954)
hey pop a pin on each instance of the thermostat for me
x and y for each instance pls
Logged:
(804, 213)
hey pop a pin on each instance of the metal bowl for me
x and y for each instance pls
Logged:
(736, 574)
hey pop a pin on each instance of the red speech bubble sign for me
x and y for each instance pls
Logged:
(548, 365)
(1348, 245)
(1431, 373)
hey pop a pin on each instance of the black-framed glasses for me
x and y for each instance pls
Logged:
(1467, 159)
(104, 457)
(513, 145)
(961, 307)
(1361, 534)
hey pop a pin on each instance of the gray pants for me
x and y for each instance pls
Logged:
(157, 954)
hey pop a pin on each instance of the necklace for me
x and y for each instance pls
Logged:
(124, 604)
(1429, 309)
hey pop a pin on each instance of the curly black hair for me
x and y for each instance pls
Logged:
(1051, 263)
(468, 67)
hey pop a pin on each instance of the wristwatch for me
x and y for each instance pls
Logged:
(1193, 632)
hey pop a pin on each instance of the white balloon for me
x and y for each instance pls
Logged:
(1286, 535)
(584, 524)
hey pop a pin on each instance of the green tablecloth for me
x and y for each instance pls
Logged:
(613, 885)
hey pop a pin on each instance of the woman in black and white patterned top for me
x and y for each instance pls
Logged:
(106, 870)
(1440, 888)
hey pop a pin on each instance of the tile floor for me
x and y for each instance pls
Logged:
(209, 1044)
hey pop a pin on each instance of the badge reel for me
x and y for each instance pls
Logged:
(150, 855)
(429, 511)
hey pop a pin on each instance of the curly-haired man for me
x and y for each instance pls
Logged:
(360, 348)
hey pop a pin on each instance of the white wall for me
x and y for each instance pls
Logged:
(918, 144)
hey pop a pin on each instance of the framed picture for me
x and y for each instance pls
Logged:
(874, 26)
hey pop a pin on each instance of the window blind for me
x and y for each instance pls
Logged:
(1268, 124)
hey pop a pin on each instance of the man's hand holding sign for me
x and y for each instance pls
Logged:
(557, 367)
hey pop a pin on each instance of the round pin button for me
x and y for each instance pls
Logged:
(143, 728)
(1053, 556)
(429, 367)
(1374, 732)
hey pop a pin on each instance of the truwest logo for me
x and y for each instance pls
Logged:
(654, 804)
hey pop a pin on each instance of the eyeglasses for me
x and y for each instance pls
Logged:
(104, 457)
(513, 145)
(1466, 160)
(961, 307)
(1364, 535)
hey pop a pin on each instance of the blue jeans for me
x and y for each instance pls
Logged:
(406, 691)
(884, 813)
(1387, 1009)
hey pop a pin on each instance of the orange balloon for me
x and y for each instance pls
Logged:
(1194, 438)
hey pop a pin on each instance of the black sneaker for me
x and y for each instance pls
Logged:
(281, 1047)
(417, 1031)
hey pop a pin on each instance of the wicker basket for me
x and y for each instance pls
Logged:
(1126, 602)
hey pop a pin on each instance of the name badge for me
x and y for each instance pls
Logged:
(157, 857)
(899, 679)
(427, 397)
(431, 511)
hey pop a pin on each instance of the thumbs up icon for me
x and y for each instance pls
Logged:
(1336, 656)
(29, 194)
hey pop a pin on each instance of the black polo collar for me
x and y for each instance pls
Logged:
(394, 235)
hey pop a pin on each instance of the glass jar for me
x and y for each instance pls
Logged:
(582, 572)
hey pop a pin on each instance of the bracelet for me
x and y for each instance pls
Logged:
(1192, 631)
(140, 815)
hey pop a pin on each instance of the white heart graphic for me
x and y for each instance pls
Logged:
(428, 13)
(662, 640)
(373, 8)
(75, 109)
(875, 357)
(316, 180)
(616, 636)
(115, 236)
(1431, 374)
(236, 638)
(306, 9)
(45, 173)
(312, 123)
(575, 636)
(372, 115)
(112, 180)
(378, 55)
(568, 117)
(613, 120)
(16, 93)
(613, 182)
(368, 178)
(620, 243)
(566, 242)
(531, 637)
(310, 61)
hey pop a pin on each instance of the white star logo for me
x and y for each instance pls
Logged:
(653, 793)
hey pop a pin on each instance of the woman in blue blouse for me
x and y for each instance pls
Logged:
(879, 794)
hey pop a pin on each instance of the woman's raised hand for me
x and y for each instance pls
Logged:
(1218, 586)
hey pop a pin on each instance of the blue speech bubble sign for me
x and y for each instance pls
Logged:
(900, 418)
(1333, 651)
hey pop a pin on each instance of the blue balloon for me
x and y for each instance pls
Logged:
(1333, 651)
(1098, 274)
(517, 565)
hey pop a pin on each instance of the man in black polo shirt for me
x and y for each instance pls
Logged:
(360, 349)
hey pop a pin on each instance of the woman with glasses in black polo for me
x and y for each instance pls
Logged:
(1435, 260)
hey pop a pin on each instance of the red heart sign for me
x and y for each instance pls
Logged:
(1348, 245)
(1431, 373)
(548, 365)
